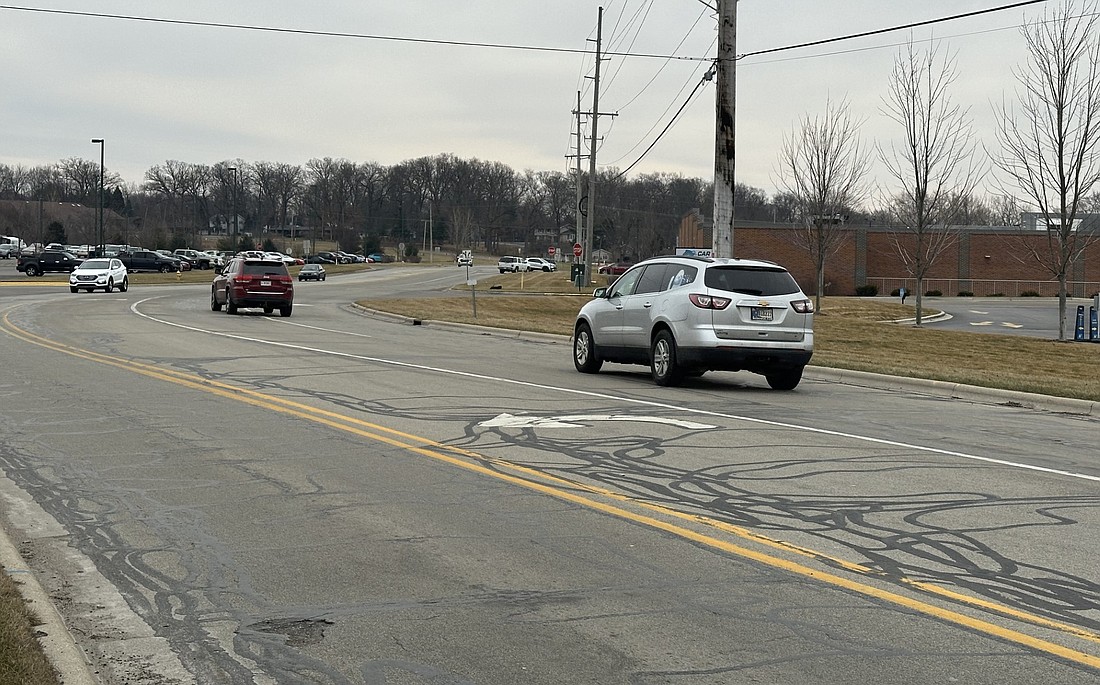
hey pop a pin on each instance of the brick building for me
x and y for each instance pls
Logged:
(983, 260)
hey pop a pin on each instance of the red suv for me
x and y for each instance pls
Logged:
(253, 283)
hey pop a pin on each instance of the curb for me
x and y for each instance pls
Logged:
(57, 642)
(948, 389)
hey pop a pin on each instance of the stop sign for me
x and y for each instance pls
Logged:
(577, 249)
(551, 250)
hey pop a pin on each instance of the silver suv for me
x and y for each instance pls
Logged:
(684, 316)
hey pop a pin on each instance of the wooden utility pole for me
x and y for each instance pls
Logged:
(591, 223)
(726, 72)
(577, 178)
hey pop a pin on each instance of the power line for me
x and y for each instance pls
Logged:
(333, 34)
(893, 28)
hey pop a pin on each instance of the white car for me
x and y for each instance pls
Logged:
(103, 272)
(540, 264)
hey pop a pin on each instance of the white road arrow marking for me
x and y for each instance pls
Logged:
(581, 420)
(1007, 324)
(981, 323)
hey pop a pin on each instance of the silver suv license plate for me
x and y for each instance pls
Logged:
(760, 314)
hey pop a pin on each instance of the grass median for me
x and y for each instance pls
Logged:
(850, 333)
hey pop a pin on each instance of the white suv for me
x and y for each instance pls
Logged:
(512, 264)
(684, 316)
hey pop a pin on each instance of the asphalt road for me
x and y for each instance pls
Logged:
(1030, 316)
(336, 498)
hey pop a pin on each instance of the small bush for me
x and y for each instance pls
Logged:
(1030, 293)
(896, 292)
(965, 293)
(867, 291)
(933, 293)
(997, 295)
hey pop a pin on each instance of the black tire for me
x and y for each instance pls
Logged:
(110, 285)
(125, 285)
(285, 311)
(32, 270)
(164, 268)
(586, 356)
(300, 279)
(322, 278)
(786, 379)
(230, 305)
(215, 306)
(663, 366)
(268, 309)
(73, 289)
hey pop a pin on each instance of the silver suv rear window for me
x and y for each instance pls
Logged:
(750, 280)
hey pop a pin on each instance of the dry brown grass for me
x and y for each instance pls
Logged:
(850, 333)
(21, 657)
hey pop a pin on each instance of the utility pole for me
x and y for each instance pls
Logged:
(591, 223)
(577, 177)
(724, 147)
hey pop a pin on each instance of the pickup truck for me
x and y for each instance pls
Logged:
(199, 260)
(146, 260)
(48, 260)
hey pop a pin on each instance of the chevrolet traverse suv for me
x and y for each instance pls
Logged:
(684, 316)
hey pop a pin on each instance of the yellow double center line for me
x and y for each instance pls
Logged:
(583, 495)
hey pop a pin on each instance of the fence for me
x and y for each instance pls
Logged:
(951, 287)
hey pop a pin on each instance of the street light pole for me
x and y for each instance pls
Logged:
(99, 200)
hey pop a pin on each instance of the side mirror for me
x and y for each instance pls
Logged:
(599, 293)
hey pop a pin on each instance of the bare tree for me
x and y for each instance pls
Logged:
(823, 170)
(934, 167)
(1050, 149)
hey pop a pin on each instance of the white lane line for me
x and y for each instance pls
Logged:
(625, 400)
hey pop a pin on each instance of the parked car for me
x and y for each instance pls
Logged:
(683, 316)
(540, 264)
(380, 257)
(198, 260)
(8, 249)
(312, 272)
(617, 269)
(102, 272)
(145, 260)
(246, 282)
(320, 258)
(511, 264)
(47, 260)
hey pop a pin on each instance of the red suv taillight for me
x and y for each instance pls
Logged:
(803, 306)
(709, 301)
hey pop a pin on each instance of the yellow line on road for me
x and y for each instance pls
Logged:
(578, 493)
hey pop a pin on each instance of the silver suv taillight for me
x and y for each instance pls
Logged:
(803, 306)
(709, 301)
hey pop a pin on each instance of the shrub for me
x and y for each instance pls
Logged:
(997, 295)
(933, 293)
(965, 293)
(896, 292)
(866, 291)
(1030, 293)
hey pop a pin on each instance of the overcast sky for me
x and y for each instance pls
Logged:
(171, 91)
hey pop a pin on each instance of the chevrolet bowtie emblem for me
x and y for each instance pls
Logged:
(764, 304)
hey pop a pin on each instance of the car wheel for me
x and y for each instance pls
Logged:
(300, 279)
(586, 356)
(72, 289)
(786, 379)
(110, 285)
(230, 305)
(32, 270)
(268, 309)
(322, 278)
(663, 364)
(215, 306)
(285, 311)
(164, 268)
(125, 285)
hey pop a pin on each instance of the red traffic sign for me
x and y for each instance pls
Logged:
(577, 250)
(551, 250)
